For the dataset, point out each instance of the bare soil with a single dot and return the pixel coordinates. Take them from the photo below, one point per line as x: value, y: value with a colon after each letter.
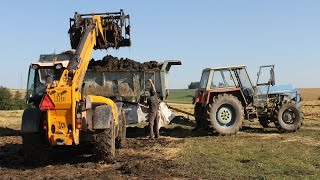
x: 140, y: 159
x: 110, y: 63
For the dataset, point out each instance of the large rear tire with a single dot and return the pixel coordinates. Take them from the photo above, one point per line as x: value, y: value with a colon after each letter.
x: 288, y: 117
x: 226, y: 115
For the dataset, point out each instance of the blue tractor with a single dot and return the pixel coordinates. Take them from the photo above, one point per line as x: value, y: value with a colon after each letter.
x: 226, y: 97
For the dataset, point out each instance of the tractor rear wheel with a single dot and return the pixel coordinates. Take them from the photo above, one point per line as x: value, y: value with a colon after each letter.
x: 226, y: 115
x: 288, y: 117
x: 105, y: 144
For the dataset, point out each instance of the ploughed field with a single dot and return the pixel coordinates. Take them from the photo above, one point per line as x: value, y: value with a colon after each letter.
x: 180, y: 153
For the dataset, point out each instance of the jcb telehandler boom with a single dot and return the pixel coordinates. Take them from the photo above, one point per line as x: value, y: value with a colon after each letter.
x: 61, y: 112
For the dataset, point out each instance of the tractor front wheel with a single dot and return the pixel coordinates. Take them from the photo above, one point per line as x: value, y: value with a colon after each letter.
x: 225, y: 114
x: 288, y: 117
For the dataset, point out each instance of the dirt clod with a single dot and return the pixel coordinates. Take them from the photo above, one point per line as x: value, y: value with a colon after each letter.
x: 110, y: 63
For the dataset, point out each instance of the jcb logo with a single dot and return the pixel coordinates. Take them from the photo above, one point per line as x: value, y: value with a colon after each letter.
x: 60, y: 97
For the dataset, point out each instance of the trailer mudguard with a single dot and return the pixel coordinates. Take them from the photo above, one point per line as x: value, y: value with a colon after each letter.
x: 102, y: 117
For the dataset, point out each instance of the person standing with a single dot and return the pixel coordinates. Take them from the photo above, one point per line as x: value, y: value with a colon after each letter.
x: 153, y: 117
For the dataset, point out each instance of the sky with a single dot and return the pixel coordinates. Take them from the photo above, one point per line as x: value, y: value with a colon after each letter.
x: 203, y: 33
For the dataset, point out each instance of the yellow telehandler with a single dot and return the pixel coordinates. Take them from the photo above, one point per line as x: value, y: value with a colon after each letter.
x: 61, y: 115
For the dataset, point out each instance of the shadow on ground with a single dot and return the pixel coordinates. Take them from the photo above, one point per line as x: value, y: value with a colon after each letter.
x: 259, y: 130
x: 179, y: 127
x: 9, y: 132
x: 11, y: 156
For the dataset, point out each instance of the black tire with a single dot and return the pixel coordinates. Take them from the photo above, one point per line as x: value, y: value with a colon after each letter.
x: 31, y: 120
x: 288, y: 117
x: 35, y: 150
x: 199, y: 113
x: 121, y: 139
x: 226, y: 115
x: 105, y: 144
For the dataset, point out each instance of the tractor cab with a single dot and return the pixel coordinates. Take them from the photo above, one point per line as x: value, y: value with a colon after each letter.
x: 233, y: 80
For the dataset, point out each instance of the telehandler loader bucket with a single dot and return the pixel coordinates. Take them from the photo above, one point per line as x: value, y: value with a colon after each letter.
x: 115, y: 25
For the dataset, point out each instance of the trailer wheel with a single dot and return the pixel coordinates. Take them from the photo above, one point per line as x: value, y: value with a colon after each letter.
x: 288, y: 117
x: 226, y: 115
x: 34, y: 148
x: 121, y: 139
x: 105, y: 144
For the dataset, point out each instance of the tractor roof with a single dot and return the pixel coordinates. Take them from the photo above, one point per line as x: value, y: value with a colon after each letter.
x: 227, y: 67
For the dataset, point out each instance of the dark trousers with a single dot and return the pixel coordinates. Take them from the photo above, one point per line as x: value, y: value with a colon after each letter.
x: 153, y: 119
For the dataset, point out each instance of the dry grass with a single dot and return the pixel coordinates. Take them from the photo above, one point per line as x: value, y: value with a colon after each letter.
x: 11, y: 119
x: 310, y: 94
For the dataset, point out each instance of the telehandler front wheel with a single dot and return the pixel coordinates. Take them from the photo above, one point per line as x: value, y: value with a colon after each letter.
x: 226, y: 115
x: 105, y: 144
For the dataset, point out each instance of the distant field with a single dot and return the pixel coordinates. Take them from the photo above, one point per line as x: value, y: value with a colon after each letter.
x: 181, y: 95
x: 310, y: 94
x: 22, y: 91
x: 185, y: 95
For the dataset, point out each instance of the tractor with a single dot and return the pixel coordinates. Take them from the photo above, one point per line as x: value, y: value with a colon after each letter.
x: 226, y: 97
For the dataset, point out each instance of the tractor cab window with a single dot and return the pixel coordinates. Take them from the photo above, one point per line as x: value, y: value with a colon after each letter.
x: 204, y: 79
x: 222, y: 79
x: 244, y: 81
x: 244, y: 78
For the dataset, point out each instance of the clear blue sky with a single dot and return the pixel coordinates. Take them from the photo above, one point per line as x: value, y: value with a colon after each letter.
x: 201, y: 34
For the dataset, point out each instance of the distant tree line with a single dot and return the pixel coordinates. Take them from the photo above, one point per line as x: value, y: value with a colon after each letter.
x: 9, y: 101
x: 194, y: 85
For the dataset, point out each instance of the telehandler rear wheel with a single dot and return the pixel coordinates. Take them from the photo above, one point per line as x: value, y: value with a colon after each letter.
x: 105, y: 144
x: 121, y: 139
x: 226, y: 115
x: 288, y: 117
